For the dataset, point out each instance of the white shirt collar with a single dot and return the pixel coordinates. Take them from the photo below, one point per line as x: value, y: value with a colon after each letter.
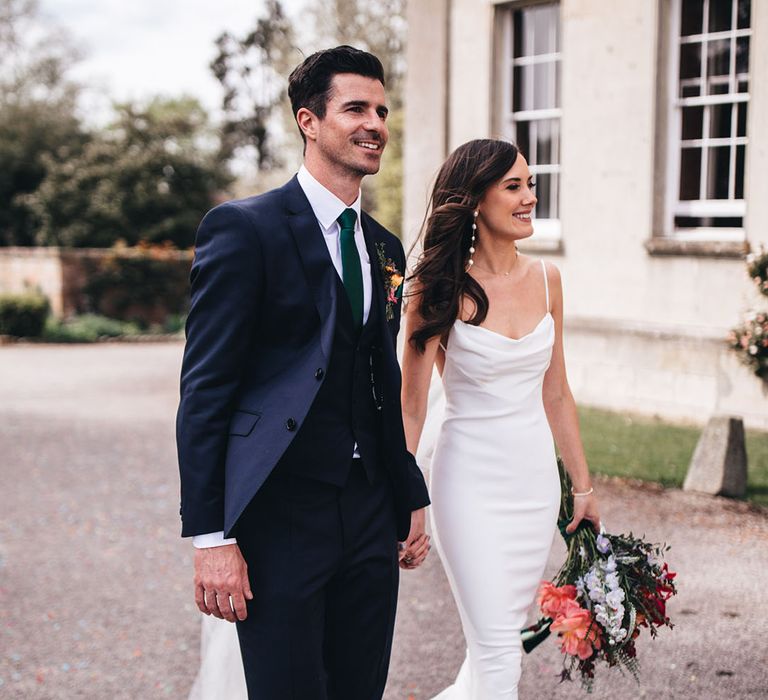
x: 326, y: 205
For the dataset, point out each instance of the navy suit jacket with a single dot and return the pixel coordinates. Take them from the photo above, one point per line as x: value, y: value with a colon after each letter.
x: 260, y: 326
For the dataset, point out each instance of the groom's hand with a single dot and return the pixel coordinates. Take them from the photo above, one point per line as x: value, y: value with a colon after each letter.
x: 221, y: 576
x: 414, y: 550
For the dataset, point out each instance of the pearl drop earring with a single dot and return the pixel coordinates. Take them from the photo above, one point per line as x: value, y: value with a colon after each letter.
x: 471, y: 261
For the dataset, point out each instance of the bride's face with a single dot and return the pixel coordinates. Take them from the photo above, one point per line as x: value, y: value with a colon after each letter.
x: 506, y: 207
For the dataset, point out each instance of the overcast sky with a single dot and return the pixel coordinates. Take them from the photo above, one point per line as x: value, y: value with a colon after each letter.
x: 138, y: 48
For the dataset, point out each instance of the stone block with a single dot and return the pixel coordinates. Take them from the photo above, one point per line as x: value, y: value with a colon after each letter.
x: 719, y: 463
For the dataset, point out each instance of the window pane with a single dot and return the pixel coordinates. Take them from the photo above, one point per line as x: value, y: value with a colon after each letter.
x: 546, y: 142
x: 742, y: 20
x: 720, y: 12
x: 544, y: 28
x: 535, y: 31
x: 690, y: 61
x: 544, y: 85
x: 521, y: 100
x: 692, y: 13
x: 719, y: 85
x: 518, y: 34
x: 720, y: 121
x: 690, y: 173
x: 691, y: 90
x: 534, y: 87
x: 693, y: 118
x: 708, y: 221
x: 718, y: 169
x: 739, y: 191
x: 544, y: 207
x: 743, y: 86
x: 719, y: 57
x: 741, y: 123
x: 742, y: 55
x: 522, y: 138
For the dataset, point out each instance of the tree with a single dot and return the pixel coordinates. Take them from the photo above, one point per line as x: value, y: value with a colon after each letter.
x: 150, y: 177
x: 38, y: 122
x: 377, y: 26
x: 253, y: 71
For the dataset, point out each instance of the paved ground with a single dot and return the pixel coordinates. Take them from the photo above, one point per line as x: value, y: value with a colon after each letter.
x: 95, y: 600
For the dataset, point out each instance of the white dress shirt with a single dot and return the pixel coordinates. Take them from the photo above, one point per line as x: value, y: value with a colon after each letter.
x: 327, y: 207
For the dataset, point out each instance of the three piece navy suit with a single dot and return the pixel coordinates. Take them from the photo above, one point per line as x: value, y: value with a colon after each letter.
x: 279, y: 387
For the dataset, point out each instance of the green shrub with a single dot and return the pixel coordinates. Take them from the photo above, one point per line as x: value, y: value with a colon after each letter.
x: 146, y: 284
x: 87, y: 328
x: 174, y: 323
x: 23, y: 315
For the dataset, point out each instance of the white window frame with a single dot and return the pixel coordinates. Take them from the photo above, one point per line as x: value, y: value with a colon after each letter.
x: 547, y: 232
x: 703, y: 207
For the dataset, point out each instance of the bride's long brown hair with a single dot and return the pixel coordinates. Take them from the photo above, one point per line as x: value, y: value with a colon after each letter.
x: 439, y: 277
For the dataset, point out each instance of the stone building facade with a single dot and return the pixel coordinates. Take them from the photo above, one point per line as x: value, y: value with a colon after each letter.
x: 642, y: 123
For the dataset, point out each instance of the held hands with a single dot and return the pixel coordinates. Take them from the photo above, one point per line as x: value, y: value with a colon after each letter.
x: 414, y: 550
x: 221, y: 582
x: 584, y: 508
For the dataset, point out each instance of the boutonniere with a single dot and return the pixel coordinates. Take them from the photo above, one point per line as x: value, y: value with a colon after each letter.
x: 393, y: 280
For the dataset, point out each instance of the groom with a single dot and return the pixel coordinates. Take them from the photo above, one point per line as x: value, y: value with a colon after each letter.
x: 295, y: 481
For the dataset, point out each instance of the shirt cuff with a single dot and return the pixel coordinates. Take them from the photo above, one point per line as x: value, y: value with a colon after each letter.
x: 212, y: 539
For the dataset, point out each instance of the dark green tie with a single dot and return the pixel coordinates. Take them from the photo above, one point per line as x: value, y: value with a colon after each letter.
x: 350, y: 264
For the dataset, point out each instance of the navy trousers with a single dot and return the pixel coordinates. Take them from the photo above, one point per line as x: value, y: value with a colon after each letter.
x: 322, y: 563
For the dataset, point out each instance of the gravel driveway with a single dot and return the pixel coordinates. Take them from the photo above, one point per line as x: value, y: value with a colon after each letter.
x: 95, y: 594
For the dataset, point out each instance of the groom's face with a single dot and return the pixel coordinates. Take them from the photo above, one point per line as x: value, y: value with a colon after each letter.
x: 353, y: 133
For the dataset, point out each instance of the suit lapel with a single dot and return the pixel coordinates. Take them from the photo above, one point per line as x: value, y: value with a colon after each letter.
x: 315, y: 260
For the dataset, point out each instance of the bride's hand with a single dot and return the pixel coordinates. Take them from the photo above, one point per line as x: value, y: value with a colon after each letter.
x: 584, y: 508
x: 414, y: 550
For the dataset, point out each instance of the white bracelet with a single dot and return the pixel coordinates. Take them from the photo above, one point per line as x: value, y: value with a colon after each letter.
x: 584, y: 493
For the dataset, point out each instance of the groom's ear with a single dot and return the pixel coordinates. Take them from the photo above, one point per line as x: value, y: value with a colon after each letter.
x: 308, y: 123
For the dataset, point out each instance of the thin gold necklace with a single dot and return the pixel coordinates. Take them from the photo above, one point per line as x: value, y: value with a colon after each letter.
x: 499, y: 274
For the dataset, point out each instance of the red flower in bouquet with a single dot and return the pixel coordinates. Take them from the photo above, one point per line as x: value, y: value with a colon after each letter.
x: 578, y: 631
x: 665, y: 586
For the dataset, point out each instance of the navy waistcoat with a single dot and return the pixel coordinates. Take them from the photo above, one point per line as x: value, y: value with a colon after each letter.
x: 344, y: 411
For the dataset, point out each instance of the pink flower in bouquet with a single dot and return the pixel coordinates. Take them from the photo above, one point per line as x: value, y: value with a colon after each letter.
x: 577, y: 630
x: 552, y: 599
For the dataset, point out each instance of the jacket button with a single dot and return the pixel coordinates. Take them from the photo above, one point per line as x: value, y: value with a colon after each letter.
x: 290, y: 424
x: 319, y: 373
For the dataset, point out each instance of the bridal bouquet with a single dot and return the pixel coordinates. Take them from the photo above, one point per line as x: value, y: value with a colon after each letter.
x: 609, y: 588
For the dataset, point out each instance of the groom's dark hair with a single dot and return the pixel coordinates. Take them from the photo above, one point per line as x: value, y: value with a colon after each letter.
x: 309, y: 85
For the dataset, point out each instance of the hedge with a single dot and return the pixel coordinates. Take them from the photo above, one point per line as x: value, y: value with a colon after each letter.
x: 23, y: 315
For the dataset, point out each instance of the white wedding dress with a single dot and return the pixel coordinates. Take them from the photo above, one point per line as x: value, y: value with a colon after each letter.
x: 495, y: 496
x: 220, y: 675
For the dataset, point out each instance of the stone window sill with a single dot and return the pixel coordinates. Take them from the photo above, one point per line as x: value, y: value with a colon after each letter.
x: 541, y: 245
x: 663, y: 246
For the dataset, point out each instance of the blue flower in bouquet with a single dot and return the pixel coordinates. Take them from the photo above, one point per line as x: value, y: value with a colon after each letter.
x: 603, y: 544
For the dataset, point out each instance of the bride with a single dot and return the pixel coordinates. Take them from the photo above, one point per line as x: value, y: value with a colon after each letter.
x: 491, y: 319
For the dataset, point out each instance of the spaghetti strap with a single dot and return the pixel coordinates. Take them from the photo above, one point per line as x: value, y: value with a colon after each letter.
x: 546, y: 283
